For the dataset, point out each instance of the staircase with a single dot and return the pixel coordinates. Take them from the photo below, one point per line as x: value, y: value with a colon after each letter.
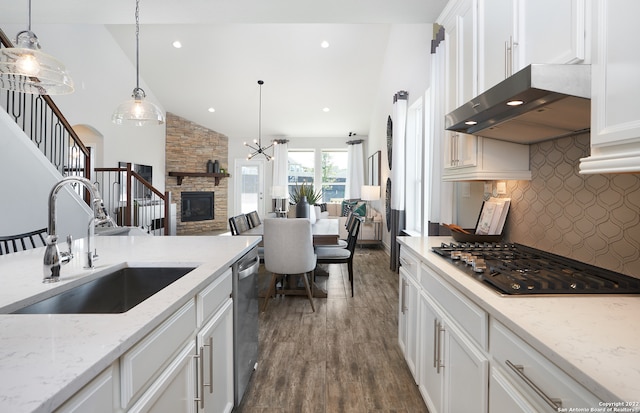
x: 129, y: 198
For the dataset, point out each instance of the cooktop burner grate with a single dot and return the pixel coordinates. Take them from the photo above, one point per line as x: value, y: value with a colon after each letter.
x: 515, y: 269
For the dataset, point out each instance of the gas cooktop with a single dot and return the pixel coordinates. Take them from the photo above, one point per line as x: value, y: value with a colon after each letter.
x: 515, y: 269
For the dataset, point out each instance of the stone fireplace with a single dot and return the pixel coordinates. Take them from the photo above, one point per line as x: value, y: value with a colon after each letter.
x: 188, y: 148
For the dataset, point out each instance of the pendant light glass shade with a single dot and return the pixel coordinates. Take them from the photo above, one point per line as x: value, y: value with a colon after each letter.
x: 24, y: 68
x: 137, y: 111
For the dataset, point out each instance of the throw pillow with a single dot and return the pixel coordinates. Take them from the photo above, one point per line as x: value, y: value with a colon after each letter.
x: 347, y: 206
x: 361, y: 210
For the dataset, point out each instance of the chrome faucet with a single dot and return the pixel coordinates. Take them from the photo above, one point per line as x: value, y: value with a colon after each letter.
x: 53, y: 258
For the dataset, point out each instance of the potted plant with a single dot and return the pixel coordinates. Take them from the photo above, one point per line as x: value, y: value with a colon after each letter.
x: 303, y: 195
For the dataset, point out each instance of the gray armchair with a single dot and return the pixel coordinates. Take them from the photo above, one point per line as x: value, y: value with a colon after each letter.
x: 288, y: 250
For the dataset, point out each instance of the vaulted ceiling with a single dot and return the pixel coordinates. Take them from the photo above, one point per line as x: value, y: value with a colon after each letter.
x: 228, y: 45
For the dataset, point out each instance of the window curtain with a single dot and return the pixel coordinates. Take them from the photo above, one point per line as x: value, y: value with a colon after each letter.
x: 397, y: 174
x: 355, y: 170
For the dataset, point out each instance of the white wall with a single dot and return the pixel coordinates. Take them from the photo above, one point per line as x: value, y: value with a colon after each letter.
x: 28, y: 178
x: 407, y: 67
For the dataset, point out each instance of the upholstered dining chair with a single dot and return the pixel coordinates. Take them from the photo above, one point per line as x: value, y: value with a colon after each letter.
x: 21, y: 242
x: 288, y: 250
x: 332, y: 255
x: 253, y: 219
x: 238, y: 224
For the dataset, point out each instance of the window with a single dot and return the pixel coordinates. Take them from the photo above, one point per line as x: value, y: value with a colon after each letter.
x: 334, y: 174
x: 301, y: 166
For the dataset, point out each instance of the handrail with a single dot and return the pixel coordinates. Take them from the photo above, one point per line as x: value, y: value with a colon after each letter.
x: 17, y: 109
x: 118, y: 186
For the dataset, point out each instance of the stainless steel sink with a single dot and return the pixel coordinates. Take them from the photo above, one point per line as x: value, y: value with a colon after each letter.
x: 114, y: 293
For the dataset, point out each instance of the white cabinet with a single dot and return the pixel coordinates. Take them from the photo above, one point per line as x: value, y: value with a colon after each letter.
x: 99, y: 396
x: 451, y: 361
x: 504, y: 397
x: 215, y: 358
x: 174, y: 390
x: 527, y: 378
x: 516, y: 33
x: 615, y: 121
x: 408, y: 310
x: 486, y: 159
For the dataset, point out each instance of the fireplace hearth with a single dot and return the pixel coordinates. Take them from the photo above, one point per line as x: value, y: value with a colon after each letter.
x: 197, y: 206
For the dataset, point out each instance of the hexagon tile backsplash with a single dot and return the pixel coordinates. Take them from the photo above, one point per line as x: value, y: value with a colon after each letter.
x: 590, y: 218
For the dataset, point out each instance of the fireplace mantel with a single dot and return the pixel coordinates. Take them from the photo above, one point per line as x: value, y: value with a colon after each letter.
x: 215, y: 176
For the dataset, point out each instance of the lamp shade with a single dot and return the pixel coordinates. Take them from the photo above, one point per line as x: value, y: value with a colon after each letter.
x: 370, y: 193
x: 26, y: 69
x: 279, y: 192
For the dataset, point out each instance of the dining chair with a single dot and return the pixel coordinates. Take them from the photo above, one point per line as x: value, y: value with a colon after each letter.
x: 332, y: 255
x: 21, y: 242
x: 288, y: 250
x: 253, y: 219
x: 238, y: 224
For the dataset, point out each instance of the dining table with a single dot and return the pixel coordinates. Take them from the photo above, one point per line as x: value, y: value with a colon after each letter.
x: 326, y: 232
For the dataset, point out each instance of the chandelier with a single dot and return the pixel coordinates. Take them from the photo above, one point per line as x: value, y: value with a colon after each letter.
x: 257, y: 147
x: 138, y: 111
x: 24, y: 68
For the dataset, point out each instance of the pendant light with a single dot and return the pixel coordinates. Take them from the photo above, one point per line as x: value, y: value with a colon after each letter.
x: 138, y: 111
x: 257, y: 147
x: 24, y: 68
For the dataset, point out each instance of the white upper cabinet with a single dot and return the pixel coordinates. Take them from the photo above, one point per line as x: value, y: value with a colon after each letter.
x: 615, y: 119
x: 513, y: 34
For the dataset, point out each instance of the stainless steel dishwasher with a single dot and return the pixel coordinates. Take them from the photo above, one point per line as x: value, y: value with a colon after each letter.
x: 245, y: 321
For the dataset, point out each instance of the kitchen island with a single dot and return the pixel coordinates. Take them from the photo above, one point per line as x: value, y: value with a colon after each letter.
x: 46, y: 358
x: 591, y: 340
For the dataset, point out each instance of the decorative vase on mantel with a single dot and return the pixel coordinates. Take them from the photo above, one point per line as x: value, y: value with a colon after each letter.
x: 302, y: 208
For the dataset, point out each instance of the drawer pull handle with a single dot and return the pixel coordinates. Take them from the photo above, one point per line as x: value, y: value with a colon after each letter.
x: 519, y: 370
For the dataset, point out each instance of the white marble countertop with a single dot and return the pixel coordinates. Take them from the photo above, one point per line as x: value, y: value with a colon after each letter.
x: 45, y: 359
x: 594, y: 339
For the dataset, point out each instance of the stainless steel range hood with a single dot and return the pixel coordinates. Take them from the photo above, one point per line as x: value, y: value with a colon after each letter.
x: 556, y: 103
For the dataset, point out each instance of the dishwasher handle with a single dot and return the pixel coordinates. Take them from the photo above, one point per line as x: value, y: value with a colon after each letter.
x: 245, y: 269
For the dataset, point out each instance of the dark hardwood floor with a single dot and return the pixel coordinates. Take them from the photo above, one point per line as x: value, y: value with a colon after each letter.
x: 342, y: 358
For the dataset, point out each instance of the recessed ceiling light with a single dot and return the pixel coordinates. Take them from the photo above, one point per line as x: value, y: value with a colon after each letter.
x: 177, y: 44
x: 326, y: 109
x: 324, y: 44
x: 515, y: 102
x: 211, y: 110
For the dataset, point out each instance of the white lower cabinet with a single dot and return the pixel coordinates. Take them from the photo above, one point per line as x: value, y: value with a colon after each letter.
x: 99, y: 396
x: 174, y: 390
x: 453, y: 370
x: 408, y: 311
x: 215, y: 357
x: 529, y: 378
x: 504, y: 397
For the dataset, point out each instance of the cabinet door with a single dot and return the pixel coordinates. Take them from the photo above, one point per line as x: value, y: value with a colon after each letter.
x: 174, y: 390
x: 97, y: 397
x: 615, y: 121
x: 551, y: 37
x: 430, y: 380
x: 460, y: 150
x: 408, y: 319
x: 496, y: 41
x: 215, y: 342
x: 465, y: 371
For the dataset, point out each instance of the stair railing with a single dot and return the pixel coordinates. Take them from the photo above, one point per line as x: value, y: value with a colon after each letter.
x: 42, y: 121
x: 132, y: 201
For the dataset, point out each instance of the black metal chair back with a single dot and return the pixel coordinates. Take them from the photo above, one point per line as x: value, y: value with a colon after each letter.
x: 253, y: 219
x: 22, y: 242
x: 238, y: 224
